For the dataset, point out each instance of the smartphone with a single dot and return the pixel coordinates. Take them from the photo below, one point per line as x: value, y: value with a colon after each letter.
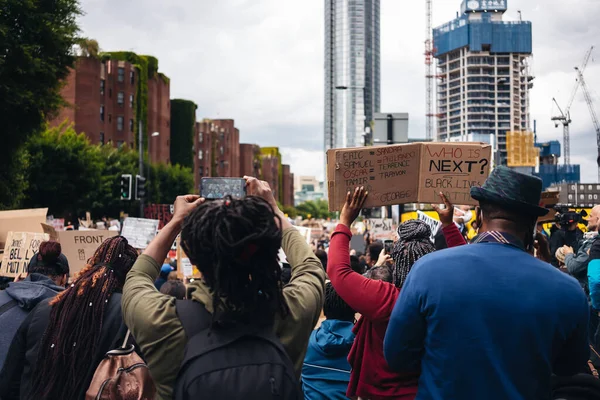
x: 218, y: 188
x: 389, y: 245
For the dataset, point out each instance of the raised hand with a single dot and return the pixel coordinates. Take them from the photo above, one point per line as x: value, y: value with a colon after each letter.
x: 354, y: 203
x: 447, y: 213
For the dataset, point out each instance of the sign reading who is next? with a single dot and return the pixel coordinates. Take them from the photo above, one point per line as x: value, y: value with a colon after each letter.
x: 411, y: 173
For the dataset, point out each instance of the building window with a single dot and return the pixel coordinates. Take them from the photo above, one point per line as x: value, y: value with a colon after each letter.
x: 130, y: 125
x: 121, y: 74
x: 101, y: 113
x: 131, y: 77
x: 168, y: 123
x: 110, y: 93
x: 120, y: 123
x: 109, y: 117
x: 120, y: 143
x: 590, y: 187
x: 201, y: 170
x: 101, y: 137
x: 222, y: 150
x: 120, y: 98
x: 130, y: 101
x: 570, y: 197
x: 102, y: 86
x: 199, y: 154
x: 200, y: 137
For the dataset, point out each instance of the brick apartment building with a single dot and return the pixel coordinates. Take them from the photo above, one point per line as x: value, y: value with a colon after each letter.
x: 101, y: 97
x: 249, y: 160
x: 288, y: 186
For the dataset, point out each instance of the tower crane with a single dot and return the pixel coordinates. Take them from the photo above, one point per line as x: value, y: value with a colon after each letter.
x: 565, y: 117
x: 429, y: 76
x: 590, y: 104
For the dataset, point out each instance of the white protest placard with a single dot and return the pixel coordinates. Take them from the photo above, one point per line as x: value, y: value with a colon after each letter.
x: 139, y: 232
x: 185, y: 268
x: 80, y: 246
x: 381, y: 228
x: 19, y: 249
x: 305, y: 232
x: 433, y: 223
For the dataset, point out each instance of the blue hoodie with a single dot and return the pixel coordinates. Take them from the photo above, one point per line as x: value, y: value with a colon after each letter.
x: 326, y: 371
x: 27, y: 293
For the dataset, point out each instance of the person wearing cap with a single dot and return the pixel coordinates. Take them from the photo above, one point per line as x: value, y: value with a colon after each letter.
x: 488, y: 320
x: 165, y: 270
x: 48, y: 273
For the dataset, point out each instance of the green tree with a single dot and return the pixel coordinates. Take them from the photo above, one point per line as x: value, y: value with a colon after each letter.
x: 36, y: 41
x: 169, y: 181
x: 65, y: 172
x: 314, y: 209
x: 183, y: 127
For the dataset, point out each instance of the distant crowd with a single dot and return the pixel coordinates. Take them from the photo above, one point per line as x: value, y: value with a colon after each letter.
x: 492, y: 308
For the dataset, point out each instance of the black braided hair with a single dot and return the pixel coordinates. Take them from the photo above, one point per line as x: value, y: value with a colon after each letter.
x: 235, y: 245
x: 335, y: 307
x: 413, y: 243
x: 73, y: 332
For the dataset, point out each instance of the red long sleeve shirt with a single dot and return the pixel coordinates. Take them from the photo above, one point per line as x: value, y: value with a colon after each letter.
x: 371, y: 377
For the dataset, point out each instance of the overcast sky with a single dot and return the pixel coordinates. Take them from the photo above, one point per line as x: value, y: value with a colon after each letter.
x: 261, y: 63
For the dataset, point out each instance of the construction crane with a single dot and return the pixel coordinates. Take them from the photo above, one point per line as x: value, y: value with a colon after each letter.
x: 429, y: 76
x: 590, y: 104
x: 565, y: 117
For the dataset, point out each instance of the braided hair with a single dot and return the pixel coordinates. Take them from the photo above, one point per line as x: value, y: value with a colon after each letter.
x: 71, y: 338
x: 413, y: 243
x: 235, y: 245
x: 335, y: 307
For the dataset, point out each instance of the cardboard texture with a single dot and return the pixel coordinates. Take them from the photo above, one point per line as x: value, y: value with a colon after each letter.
x: 410, y: 173
x: 26, y: 220
x: 139, y: 232
x: 79, y: 246
x: 20, y: 247
x: 50, y: 231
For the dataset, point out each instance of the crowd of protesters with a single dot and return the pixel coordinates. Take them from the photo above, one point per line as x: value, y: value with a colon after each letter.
x: 464, y: 316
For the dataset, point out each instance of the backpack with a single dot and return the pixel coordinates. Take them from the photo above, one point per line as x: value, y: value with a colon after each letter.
x: 584, y: 386
x: 122, y: 374
x: 243, y: 362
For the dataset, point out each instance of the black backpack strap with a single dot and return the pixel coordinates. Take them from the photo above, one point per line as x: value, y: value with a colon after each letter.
x: 193, y: 316
x: 7, y: 306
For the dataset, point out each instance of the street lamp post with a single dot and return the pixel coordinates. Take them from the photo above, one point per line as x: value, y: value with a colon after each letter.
x: 154, y: 134
x: 366, y: 124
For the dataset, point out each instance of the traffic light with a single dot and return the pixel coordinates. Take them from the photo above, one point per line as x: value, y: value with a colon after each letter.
x: 140, y: 187
x: 126, y: 186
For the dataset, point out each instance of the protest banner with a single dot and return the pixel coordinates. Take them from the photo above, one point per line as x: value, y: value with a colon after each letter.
x: 433, y: 223
x: 185, y: 268
x: 381, y: 228
x: 20, y: 248
x: 411, y: 173
x: 79, y: 246
x: 57, y: 223
x: 139, y: 232
x: 27, y: 220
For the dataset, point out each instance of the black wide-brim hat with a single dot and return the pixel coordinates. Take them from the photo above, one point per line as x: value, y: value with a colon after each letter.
x: 514, y: 191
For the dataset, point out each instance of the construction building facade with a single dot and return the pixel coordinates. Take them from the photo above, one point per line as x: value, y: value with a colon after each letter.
x: 483, y: 76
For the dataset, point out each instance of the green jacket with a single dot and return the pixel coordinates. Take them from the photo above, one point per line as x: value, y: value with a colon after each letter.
x: 153, y: 321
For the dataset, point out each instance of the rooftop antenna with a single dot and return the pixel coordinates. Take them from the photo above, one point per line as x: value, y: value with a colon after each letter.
x: 520, y: 16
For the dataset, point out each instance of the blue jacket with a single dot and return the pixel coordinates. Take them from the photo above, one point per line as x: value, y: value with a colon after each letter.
x: 27, y: 293
x: 487, y: 321
x: 326, y: 371
x: 593, y: 272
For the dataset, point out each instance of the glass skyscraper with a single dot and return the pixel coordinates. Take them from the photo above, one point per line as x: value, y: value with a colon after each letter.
x: 352, y: 70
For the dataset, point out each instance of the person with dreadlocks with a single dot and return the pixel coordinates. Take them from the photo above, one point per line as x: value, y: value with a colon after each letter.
x: 326, y: 371
x: 235, y: 246
x: 488, y: 320
x: 61, y: 342
x: 371, y: 378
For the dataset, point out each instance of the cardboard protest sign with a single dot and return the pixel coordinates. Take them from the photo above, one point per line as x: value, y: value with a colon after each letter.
x: 79, y: 246
x: 185, y: 268
x: 20, y: 247
x: 139, y: 232
x: 411, y: 173
x: 433, y: 223
x: 27, y: 220
x: 50, y: 231
x: 381, y: 228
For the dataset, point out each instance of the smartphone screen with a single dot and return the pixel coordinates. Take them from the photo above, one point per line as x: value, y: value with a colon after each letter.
x: 218, y: 188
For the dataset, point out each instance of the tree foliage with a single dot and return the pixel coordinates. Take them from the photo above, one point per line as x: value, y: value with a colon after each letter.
x: 36, y: 39
x: 314, y: 209
x: 183, y: 124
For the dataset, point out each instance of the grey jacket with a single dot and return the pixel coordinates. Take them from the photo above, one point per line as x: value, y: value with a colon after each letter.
x: 577, y: 263
x: 27, y: 294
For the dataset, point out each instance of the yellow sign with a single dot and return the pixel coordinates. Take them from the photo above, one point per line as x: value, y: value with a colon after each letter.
x: 521, y: 149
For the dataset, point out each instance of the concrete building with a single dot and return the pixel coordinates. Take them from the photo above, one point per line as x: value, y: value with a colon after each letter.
x: 580, y: 195
x: 352, y: 70
x: 308, y: 188
x: 484, y: 77
x: 101, y: 97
